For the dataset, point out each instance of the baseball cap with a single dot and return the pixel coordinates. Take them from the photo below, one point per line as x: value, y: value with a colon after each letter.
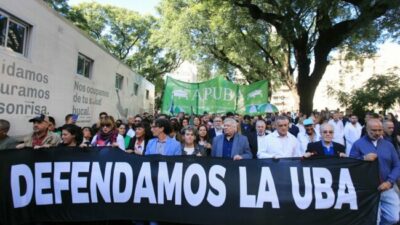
x: 40, y: 118
x: 308, y: 122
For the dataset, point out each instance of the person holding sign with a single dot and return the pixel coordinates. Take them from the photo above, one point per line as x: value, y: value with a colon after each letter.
x: 162, y: 144
x: 231, y: 144
x: 280, y: 143
x: 373, y: 147
x: 189, y: 143
x: 325, y: 147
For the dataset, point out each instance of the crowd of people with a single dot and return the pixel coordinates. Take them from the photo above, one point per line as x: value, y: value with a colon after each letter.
x: 321, y: 134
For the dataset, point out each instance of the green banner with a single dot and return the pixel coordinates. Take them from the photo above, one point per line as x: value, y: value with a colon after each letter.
x: 214, y: 96
x: 253, y: 98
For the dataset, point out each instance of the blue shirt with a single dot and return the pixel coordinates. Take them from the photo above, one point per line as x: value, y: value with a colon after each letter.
x: 328, y: 150
x: 227, y: 148
x: 389, y: 164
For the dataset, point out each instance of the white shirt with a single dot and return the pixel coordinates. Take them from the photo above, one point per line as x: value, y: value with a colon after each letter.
x: 261, y: 141
x: 338, y: 131
x: 279, y: 146
x: 351, y: 133
x: 218, y: 132
x: 131, y: 132
x: 304, y: 139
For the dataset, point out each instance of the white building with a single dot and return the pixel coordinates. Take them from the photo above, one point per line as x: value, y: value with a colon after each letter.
x: 49, y: 66
x: 349, y: 75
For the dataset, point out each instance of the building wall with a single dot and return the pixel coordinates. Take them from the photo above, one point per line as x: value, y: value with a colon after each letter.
x: 53, y: 48
x: 353, y: 75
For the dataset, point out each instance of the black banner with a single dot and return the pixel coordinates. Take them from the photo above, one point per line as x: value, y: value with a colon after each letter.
x: 63, y: 184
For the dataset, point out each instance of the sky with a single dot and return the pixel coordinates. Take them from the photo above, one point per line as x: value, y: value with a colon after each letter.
x: 141, y: 6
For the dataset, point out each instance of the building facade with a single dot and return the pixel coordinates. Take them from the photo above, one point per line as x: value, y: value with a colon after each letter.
x: 49, y: 66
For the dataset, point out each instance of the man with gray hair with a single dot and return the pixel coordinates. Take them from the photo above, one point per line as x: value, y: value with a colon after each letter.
x: 6, y: 142
x: 258, y: 137
x: 231, y: 144
x: 280, y: 143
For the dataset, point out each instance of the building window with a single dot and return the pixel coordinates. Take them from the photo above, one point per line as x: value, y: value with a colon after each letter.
x: 13, y: 33
x: 135, y: 89
x: 119, y: 81
x: 147, y: 94
x: 85, y: 65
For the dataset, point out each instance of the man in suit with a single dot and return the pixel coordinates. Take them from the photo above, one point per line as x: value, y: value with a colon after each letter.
x: 246, y: 125
x: 257, y: 138
x: 217, y: 128
x: 325, y: 147
x: 162, y: 144
x: 231, y: 144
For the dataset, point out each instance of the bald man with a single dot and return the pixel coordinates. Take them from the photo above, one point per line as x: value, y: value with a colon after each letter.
x: 373, y: 147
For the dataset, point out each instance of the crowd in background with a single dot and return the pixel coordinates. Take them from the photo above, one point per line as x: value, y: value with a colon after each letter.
x: 321, y: 134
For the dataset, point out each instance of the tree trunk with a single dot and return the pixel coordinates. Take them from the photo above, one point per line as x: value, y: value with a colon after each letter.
x: 306, y: 95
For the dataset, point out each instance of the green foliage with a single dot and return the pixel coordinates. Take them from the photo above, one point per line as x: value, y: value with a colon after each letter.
x: 378, y: 92
x: 220, y: 38
x: 268, y: 39
x: 125, y: 34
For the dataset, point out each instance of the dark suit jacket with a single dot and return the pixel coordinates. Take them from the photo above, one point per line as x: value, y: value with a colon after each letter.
x: 252, y: 137
x: 318, y: 149
x: 212, y: 134
x: 240, y: 146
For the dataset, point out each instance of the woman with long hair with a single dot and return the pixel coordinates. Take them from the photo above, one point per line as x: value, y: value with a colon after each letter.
x: 122, y: 130
x: 138, y: 143
x: 204, y: 139
x: 108, y: 135
x: 87, y: 136
x: 189, y: 143
x: 71, y: 135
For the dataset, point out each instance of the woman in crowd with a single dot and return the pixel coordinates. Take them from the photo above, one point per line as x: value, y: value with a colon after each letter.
x: 203, y: 139
x: 108, y: 135
x: 138, y: 143
x: 185, y: 122
x: 189, y: 145
x: 71, y: 135
x: 122, y: 130
x: 87, y: 136
x: 196, y: 121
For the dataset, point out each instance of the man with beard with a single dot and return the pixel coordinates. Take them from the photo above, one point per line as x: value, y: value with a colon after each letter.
x: 217, y: 130
x: 309, y: 136
x: 352, y: 132
x: 41, y: 137
x: 373, y: 147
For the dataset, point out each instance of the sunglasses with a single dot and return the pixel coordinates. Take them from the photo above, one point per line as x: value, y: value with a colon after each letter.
x: 327, y: 132
x: 106, y: 125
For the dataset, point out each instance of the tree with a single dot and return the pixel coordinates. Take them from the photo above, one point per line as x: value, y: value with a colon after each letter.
x: 284, y: 41
x: 378, y: 92
x: 125, y: 34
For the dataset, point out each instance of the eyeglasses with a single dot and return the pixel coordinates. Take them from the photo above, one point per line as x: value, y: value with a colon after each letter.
x: 327, y: 132
x: 138, y: 121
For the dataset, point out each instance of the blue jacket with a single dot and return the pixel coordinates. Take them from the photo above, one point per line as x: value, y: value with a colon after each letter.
x: 389, y: 164
x: 240, y: 146
x: 172, y: 147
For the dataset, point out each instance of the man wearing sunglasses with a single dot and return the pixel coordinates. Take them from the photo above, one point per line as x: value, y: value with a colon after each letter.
x: 309, y: 136
x: 325, y: 147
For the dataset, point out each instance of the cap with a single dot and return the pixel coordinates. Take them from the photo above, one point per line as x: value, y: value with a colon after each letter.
x: 40, y: 118
x: 308, y: 122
